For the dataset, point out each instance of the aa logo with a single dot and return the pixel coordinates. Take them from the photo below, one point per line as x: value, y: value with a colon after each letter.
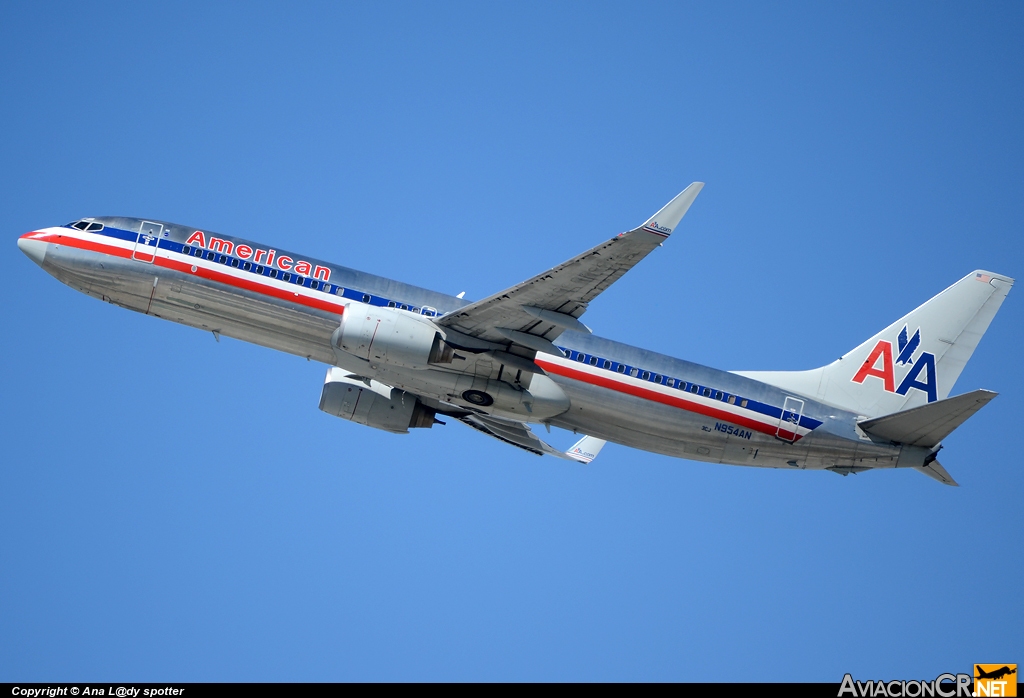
x: 995, y: 679
x: 920, y: 372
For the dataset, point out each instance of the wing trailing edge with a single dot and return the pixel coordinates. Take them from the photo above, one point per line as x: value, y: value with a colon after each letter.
x: 520, y: 435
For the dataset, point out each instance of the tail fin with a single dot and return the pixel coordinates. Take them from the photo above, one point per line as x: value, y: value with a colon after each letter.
x: 912, y: 362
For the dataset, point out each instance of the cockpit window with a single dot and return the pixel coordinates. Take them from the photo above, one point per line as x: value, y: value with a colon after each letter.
x: 86, y: 226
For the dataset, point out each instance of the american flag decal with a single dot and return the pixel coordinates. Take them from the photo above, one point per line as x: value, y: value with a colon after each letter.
x: 984, y: 278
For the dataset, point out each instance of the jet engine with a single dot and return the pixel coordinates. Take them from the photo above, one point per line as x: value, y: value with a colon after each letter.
x: 373, y: 404
x: 396, y: 337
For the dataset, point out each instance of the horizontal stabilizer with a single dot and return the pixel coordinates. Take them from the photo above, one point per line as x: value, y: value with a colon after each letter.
x: 929, y: 424
x: 935, y: 471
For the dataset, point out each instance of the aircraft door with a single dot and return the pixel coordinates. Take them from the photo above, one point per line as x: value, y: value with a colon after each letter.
x: 792, y: 410
x: 147, y: 241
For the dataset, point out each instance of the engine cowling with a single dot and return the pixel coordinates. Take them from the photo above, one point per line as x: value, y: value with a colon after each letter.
x: 374, y: 405
x: 385, y: 335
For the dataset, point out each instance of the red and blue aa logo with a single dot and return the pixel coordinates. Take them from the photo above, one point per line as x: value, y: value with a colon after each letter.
x: 920, y: 373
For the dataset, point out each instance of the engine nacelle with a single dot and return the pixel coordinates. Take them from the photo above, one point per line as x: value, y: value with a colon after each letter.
x: 374, y: 405
x: 396, y: 337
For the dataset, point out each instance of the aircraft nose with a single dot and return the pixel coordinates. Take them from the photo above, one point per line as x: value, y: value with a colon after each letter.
x: 35, y: 249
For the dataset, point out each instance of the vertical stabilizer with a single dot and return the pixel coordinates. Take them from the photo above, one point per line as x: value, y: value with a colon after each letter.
x: 912, y: 362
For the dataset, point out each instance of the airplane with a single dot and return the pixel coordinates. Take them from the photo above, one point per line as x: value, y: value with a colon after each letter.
x: 400, y: 356
x: 995, y: 674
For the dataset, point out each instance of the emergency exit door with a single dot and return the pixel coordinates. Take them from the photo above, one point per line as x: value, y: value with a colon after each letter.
x: 147, y: 242
x: 789, y: 420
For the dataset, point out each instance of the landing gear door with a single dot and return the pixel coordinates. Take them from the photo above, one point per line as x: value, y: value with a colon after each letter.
x: 147, y: 241
x: 792, y: 410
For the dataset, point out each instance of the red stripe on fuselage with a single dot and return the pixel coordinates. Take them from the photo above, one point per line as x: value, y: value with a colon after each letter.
x: 201, y: 272
x: 338, y: 309
x: 655, y: 396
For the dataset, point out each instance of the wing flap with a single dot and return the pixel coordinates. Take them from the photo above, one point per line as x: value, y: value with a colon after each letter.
x: 520, y: 435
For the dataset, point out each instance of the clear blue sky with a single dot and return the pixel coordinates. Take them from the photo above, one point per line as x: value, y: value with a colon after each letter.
x: 172, y: 508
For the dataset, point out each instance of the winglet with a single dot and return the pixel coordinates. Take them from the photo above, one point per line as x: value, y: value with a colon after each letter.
x: 665, y: 221
x: 586, y: 449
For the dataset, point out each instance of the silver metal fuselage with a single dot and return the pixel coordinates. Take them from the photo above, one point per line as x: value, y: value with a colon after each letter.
x: 670, y: 406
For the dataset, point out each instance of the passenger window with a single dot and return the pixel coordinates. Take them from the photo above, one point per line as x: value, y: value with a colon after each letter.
x: 706, y: 392
x: 656, y: 378
x: 366, y: 298
x: 634, y: 372
x: 593, y: 361
x: 391, y: 304
x: 429, y: 311
x: 694, y: 388
x: 581, y: 357
x: 732, y: 400
x: 286, y: 276
x: 606, y: 364
x: 718, y: 395
x: 210, y: 256
x: 259, y: 269
x: 339, y: 291
x: 186, y: 250
x: 273, y: 273
x: 671, y: 382
x: 246, y: 266
x: 621, y: 368
x: 198, y: 252
x: 743, y: 403
x: 234, y: 263
x: 647, y: 375
x: 566, y: 353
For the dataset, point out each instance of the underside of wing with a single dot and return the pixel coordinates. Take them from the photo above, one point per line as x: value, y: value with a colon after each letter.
x: 538, y: 310
x: 520, y: 435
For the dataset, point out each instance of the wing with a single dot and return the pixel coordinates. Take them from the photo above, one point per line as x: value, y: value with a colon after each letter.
x: 519, y: 434
x: 533, y: 313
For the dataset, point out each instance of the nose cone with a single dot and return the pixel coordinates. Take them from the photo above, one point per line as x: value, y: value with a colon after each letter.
x: 35, y: 249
